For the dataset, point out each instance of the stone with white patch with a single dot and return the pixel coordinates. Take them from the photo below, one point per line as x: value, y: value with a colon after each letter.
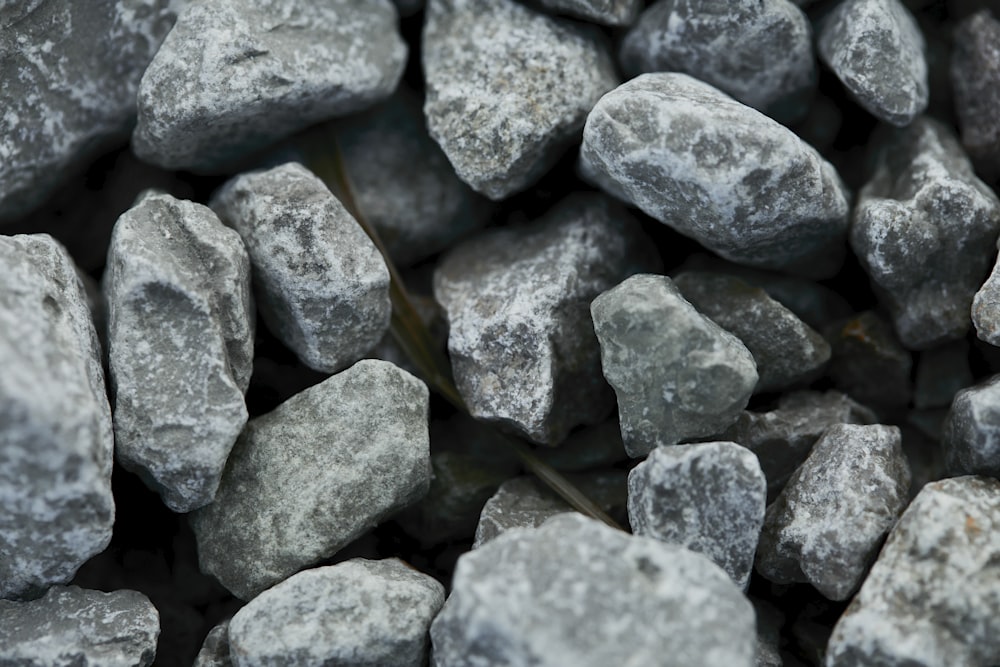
x: 971, y: 437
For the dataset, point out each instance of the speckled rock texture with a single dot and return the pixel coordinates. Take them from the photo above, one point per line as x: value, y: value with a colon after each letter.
x: 868, y: 362
x: 877, y: 51
x: 517, y: 300
x: 309, y: 477
x: 56, y: 441
x: 760, y: 52
x: 971, y: 437
x: 78, y: 627
x: 322, y: 286
x: 564, y: 594
x: 235, y: 75
x: 677, y: 374
x: 606, y: 12
x: 717, y: 171
x: 975, y: 83
x: 933, y: 597
x: 215, y: 650
x: 508, y: 88
x: 363, y: 613
x: 69, y: 73
x: 986, y: 308
x: 827, y: 524
x: 786, y: 349
x: 925, y: 230
x: 708, y: 497
x: 180, y: 345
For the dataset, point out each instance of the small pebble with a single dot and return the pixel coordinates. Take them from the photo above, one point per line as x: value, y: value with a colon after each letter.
x: 971, y: 436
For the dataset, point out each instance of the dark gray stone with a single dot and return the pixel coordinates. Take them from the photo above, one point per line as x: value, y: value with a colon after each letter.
x: 606, y: 12
x: 941, y: 373
x: 868, y: 362
x: 215, y: 650
x: 971, y: 437
x: 589, y: 448
x: 769, y: 623
x: 975, y: 84
x: 986, y: 308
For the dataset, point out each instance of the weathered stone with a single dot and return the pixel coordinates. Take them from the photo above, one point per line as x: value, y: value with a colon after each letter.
x: 215, y: 650
x: 517, y: 301
x: 607, y: 12
x: 971, y: 437
x: 722, y: 173
x: 180, y: 329
x: 941, y: 373
x: 75, y: 626
x: 364, y: 613
x: 233, y: 76
x: 827, y: 524
x: 56, y: 439
x: 975, y: 83
x: 508, y: 88
x: 570, y: 592
x: 933, y: 597
x: 868, y: 362
x: 677, y: 374
x: 322, y: 286
x: 309, y: 477
x: 708, y: 497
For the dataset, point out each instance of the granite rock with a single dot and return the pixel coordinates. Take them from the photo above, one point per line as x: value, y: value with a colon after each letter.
x: 975, y: 83
x: 215, y: 649
x: 607, y: 12
x: 971, y: 437
x: 868, y: 362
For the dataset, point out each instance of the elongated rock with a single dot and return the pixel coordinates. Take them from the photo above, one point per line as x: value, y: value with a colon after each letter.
x: 971, y: 437
x: 606, y: 12
x: 975, y: 82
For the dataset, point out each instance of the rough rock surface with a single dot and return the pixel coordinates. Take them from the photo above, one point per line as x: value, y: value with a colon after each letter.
x: 971, y: 438
x: 75, y: 626
x: 827, y: 524
x: 868, y: 362
x: 606, y: 12
x: 876, y: 50
x: 215, y: 650
x: 508, y: 88
x: 720, y: 172
x: 180, y: 345
x: 925, y: 228
x: 309, y: 477
x: 932, y: 597
x: 677, y: 374
x: 517, y: 299
x: 233, y: 75
x: 986, y: 308
x: 322, y: 286
x: 975, y: 83
x: 363, y: 613
x: 708, y: 497
x: 56, y: 441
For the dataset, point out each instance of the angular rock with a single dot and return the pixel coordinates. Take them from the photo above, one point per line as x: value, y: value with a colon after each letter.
x: 708, y: 497
x: 309, y: 477
x: 868, y: 362
x: 508, y: 88
x: 785, y: 348
x: 215, y: 650
x: 877, y: 51
x: 180, y: 348
x: 263, y: 70
x: 517, y: 301
x: 932, y: 597
x: 606, y: 12
x: 322, y: 286
x: 56, y: 440
x: 941, y: 373
x: 717, y: 171
x: 677, y: 374
x: 827, y: 524
x: 367, y: 613
x: 75, y: 626
x: 986, y: 308
x: 924, y: 229
x: 971, y: 437
x: 563, y: 594
x: 975, y: 84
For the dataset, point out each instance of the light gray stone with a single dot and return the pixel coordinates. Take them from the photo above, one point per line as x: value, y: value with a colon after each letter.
x: 508, y: 88
x: 322, y: 286
x: 971, y: 437
x: 317, y: 472
x: 517, y: 298
x: 576, y: 592
x: 717, y: 171
x: 235, y: 75
x: 607, y: 12
x: 363, y: 613
x: 827, y: 524
x: 975, y: 84
x: 677, y: 374
x: 56, y: 439
x: 215, y: 650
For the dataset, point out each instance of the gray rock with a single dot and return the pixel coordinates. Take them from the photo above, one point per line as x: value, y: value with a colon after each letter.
x: 758, y: 51
x: 309, y: 477
x: 56, y: 440
x: 975, y: 84
x: 769, y: 622
x: 787, y: 350
x: 677, y: 374
x: 986, y: 308
x: 69, y: 74
x: 264, y: 69
x: 323, y: 287
x: 708, y: 497
x: 606, y: 12
x: 79, y: 627
x: 827, y: 524
x: 941, y: 373
x: 517, y: 301
x: 933, y: 597
x: 868, y: 362
x: 508, y: 88
x: 924, y: 229
x: 364, y: 613
x: 971, y: 437
x: 876, y: 50
x: 408, y: 7
x: 717, y: 171
x: 215, y: 650
x: 576, y: 592
x: 181, y: 330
